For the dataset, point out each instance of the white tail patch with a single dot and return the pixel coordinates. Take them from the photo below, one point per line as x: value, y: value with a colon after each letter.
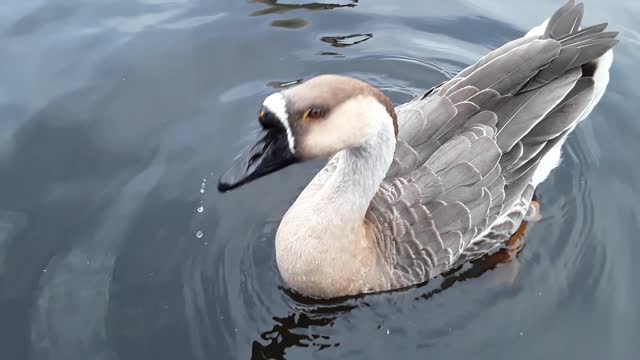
x: 550, y: 161
x: 538, y: 30
x: 601, y: 80
x: 277, y: 104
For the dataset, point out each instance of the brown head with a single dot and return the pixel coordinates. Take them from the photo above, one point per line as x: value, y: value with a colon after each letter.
x: 317, y: 118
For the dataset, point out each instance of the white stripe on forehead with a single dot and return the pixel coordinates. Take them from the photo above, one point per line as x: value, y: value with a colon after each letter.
x: 277, y: 104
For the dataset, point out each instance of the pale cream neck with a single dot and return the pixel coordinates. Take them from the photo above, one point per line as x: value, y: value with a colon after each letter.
x: 322, y: 244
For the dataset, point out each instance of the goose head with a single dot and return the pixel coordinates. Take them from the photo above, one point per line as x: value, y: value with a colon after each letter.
x: 316, y: 119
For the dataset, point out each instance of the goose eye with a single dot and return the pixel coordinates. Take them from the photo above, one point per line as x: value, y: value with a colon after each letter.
x: 314, y: 114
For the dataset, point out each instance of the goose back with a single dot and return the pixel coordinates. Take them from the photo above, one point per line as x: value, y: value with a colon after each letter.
x: 467, y: 151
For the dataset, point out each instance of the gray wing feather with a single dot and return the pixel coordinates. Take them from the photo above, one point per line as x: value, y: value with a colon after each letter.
x: 508, y: 72
x: 461, y: 174
x: 451, y: 191
x: 522, y: 112
x: 554, y: 69
x: 452, y: 217
x: 463, y: 94
x: 485, y: 96
x: 566, y: 114
x: 464, y: 111
x: 405, y: 159
x: 489, y: 57
x: 511, y: 158
x: 448, y: 153
x: 483, y: 155
x: 439, y: 111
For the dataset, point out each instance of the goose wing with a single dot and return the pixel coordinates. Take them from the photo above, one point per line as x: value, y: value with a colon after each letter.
x: 468, y: 148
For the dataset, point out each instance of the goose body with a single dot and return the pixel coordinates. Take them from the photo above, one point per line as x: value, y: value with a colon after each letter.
x: 413, y: 191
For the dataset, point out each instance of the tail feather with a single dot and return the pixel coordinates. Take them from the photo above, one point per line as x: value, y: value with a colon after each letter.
x: 587, y: 51
x: 578, y: 47
x: 564, y: 21
x: 585, y: 31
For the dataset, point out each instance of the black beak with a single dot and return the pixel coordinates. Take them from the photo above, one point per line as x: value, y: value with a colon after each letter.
x: 270, y: 153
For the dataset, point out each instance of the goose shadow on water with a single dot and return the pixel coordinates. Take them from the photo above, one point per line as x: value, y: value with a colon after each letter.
x: 295, y: 330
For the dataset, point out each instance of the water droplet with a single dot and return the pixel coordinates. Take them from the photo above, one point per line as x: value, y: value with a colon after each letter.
x: 201, y: 191
x: 521, y: 333
x: 45, y: 270
x: 388, y: 331
x: 199, y: 234
x: 200, y: 209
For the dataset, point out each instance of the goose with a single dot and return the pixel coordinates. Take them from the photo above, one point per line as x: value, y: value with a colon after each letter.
x: 412, y: 191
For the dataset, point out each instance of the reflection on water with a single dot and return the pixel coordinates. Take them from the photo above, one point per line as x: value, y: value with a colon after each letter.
x: 331, y: 53
x: 276, y: 7
x: 283, y: 84
x: 295, y: 23
x: 345, y: 41
x: 115, y: 118
x: 298, y: 330
x: 302, y: 327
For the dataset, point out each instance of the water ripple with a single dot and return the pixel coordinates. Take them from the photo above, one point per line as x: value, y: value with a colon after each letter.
x: 111, y: 246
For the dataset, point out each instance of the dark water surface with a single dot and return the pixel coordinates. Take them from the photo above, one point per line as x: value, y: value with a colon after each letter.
x: 117, y: 117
